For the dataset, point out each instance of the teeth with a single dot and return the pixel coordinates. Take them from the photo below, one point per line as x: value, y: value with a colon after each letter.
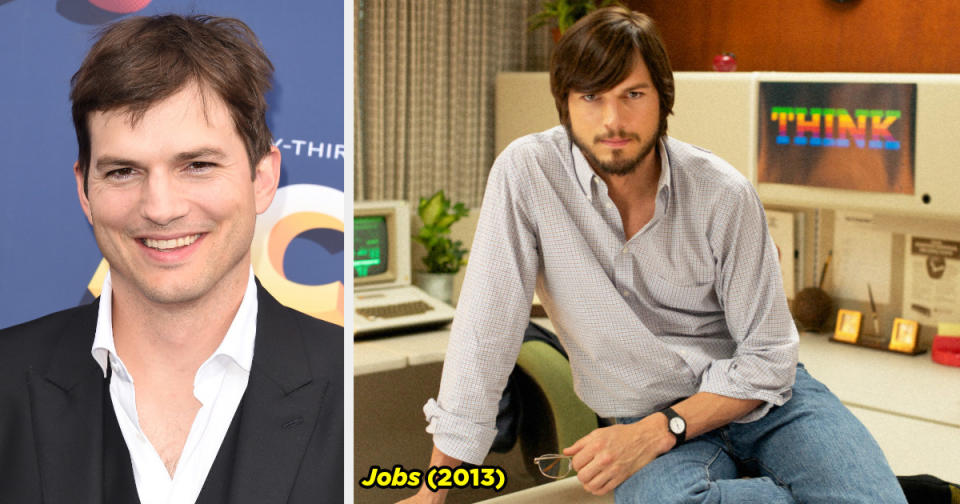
x: 170, y: 244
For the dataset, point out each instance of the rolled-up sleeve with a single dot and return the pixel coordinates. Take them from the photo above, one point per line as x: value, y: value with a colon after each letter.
x: 750, y: 289
x: 492, y: 312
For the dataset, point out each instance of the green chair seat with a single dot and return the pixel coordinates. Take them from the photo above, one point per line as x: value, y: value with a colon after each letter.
x: 553, y: 416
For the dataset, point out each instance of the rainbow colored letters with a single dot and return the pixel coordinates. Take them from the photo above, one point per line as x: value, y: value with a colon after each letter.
x: 835, y: 127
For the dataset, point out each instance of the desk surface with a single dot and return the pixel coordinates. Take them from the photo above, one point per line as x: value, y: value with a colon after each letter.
x: 398, y: 352
x: 905, y: 385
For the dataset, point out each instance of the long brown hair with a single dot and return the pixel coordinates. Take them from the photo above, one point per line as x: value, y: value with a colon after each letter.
x: 599, y: 52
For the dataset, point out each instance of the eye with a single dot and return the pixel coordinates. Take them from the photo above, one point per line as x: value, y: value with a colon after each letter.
x: 589, y: 97
x: 120, y: 174
x: 200, y: 166
x: 634, y: 94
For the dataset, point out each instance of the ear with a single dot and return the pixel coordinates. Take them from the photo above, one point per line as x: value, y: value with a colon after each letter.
x: 266, y: 179
x: 84, y: 202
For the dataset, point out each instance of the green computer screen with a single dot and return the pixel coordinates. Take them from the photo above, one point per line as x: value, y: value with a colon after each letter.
x: 370, y: 246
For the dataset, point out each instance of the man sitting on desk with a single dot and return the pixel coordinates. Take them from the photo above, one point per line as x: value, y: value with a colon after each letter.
x: 186, y: 381
x: 653, y: 260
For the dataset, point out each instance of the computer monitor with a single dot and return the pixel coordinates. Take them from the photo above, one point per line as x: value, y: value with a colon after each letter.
x: 381, y: 244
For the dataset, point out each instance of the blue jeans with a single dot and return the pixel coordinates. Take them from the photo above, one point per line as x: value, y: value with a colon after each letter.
x: 810, y: 450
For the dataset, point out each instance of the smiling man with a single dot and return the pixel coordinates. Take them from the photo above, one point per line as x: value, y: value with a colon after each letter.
x: 653, y: 260
x: 185, y: 381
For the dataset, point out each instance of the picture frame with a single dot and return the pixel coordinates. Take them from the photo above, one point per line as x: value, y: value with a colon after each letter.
x: 848, y: 326
x: 903, y: 337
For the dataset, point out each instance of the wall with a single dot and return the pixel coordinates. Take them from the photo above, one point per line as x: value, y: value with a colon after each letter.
x: 811, y: 35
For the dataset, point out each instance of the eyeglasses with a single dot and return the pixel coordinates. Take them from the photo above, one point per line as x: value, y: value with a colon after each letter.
x: 553, y: 465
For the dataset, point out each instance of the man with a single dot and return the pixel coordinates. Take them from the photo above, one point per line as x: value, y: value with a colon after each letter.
x: 186, y: 381
x: 652, y: 259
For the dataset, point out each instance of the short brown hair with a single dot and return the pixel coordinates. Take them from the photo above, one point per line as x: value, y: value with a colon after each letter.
x: 140, y: 61
x: 599, y: 52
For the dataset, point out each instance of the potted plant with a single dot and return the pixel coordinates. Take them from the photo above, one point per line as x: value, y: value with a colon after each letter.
x: 563, y: 13
x: 444, y: 255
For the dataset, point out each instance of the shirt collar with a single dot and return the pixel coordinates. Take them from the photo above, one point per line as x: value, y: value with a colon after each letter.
x: 585, y: 173
x: 237, y: 344
x: 665, y: 176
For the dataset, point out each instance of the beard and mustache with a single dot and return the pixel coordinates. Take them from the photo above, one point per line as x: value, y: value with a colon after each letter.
x: 618, y: 165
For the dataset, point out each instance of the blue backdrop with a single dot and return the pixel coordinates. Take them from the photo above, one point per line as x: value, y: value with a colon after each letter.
x: 48, y: 256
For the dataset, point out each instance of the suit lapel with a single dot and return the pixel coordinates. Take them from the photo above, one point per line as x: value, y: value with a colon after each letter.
x: 66, y: 404
x: 280, y: 408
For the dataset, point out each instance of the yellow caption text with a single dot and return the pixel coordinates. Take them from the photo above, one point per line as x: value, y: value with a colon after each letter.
x: 436, y: 478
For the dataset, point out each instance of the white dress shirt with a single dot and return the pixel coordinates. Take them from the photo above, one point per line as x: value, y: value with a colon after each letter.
x: 219, y: 385
x: 693, y: 302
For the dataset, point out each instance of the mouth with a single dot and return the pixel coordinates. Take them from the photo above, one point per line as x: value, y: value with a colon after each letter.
x: 170, y: 245
x: 615, y: 143
x: 617, y: 140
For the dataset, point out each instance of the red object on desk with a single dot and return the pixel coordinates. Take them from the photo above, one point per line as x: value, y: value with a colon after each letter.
x: 946, y: 350
x: 725, y: 62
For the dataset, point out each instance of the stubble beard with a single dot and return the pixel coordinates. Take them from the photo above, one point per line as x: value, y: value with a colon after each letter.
x: 619, y: 165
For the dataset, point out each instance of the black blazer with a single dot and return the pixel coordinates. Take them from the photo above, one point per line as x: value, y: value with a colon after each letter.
x: 290, y: 425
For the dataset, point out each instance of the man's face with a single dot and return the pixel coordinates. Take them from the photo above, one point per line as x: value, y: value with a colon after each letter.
x: 617, y: 129
x: 171, y: 199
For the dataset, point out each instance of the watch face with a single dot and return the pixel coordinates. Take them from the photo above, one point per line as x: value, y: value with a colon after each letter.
x: 677, y: 425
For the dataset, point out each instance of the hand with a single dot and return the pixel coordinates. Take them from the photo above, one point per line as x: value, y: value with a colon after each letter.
x: 607, y: 456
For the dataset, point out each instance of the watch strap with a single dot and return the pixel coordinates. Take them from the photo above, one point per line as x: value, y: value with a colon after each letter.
x: 671, y: 414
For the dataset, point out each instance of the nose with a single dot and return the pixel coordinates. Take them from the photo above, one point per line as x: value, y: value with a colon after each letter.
x: 161, y: 201
x: 611, y: 115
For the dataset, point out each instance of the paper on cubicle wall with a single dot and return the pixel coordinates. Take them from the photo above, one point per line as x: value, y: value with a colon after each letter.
x: 781, y: 226
x: 931, y: 280
x: 861, y: 255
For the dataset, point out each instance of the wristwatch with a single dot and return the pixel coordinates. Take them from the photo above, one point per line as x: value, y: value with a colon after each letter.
x: 676, y: 424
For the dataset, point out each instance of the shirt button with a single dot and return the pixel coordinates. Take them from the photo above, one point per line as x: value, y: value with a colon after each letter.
x: 625, y: 250
x: 609, y: 205
x: 141, y: 437
x: 625, y: 293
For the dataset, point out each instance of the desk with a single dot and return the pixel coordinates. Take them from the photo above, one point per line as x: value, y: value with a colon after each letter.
x: 398, y: 352
x: 910, y: 404
x: 898, y: 384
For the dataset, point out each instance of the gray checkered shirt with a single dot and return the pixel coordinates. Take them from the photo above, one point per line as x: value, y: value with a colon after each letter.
x: 691, y: 303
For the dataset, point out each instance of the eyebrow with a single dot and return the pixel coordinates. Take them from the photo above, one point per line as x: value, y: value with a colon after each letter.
x: 642, y: 85
x: 213, y: 153
x: 107, y: 162
x: 203, y: 152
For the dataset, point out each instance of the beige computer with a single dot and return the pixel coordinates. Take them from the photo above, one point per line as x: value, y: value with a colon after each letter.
x: 384, y: 299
